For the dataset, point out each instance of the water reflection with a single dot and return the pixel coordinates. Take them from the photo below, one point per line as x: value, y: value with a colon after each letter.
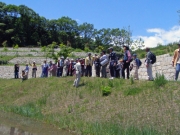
x: 11, y: 124
x: 5, y: 130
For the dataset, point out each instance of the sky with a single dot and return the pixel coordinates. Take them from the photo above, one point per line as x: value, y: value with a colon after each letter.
x: 155, y: 21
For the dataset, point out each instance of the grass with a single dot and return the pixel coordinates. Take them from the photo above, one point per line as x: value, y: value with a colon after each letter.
x: 138, y: 108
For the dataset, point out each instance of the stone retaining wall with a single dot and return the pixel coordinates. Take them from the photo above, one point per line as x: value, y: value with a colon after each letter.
x: 163, y: 65
x: 25, y: 60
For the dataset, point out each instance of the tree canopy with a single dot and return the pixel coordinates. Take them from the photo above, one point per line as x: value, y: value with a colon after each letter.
x: 23, y: 26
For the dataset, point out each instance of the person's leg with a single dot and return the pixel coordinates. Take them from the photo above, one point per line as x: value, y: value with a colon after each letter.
x: 105, y: 72
x: 86, y: 72
x: 111, y: 71
x: 15, y: 75
x: 136, y: 74
x: 75, y: 81
x: 123, y: 71
x: 58, y: 72
x: 120, y: 73
x: 102, y: 71
x: 177, y: 71
x: 61, y: 71
x: 127, y: 69
x: 114, y: 71
x: 32, y: 73
x: 149, y: 72
x: 97, y: 71
x: 90, y: 71
x: 78, y: 79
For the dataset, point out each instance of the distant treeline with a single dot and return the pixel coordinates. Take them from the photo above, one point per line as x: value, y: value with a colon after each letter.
x: 23, y: 26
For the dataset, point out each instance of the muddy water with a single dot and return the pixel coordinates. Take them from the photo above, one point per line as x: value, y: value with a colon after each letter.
x: 11, y: 124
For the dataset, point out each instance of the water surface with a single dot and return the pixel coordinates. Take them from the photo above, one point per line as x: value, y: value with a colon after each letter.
x: 12, y: 124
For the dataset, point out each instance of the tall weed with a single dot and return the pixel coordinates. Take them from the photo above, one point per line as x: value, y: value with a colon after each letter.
x: 160, y: 80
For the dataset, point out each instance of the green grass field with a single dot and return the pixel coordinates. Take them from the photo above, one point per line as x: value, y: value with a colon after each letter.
x: 98, y: 106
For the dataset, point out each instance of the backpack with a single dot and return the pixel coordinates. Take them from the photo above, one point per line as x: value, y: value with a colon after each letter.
x: 153, y: 58
x: 138, y: 62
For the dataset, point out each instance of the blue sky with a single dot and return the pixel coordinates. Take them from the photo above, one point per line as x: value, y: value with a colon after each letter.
x: 155, y: 21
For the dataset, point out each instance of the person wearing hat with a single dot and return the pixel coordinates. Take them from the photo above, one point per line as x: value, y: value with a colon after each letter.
x: 112, y: 63
x: 126, y: 60
x: 135, y: 64
x: 88, y: 65
x: 176, y: 61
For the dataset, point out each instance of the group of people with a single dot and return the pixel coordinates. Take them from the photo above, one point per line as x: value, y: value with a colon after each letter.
x: 83, y: 66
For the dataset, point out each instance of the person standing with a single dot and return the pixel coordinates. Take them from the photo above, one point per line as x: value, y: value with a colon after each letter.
x: 71, y: 68
x: 176, y: 62
x: 120, y: 67
x: 66, y: 65
x: 61, y: 66
x: 78, y: 73
x: 83, y: 67
x: 45, y: 69
x: 104, y: 62
x: 148, y: 64
x: 53, y: 69
x: 34, y: 69
x: 135, y: 66
x: 27, y: 70
x: 112, y: 63
x: 49, y: 67
x: 16, y: 71
x: 88, y: 64
x: 126, y: 60
x: 97, y: 66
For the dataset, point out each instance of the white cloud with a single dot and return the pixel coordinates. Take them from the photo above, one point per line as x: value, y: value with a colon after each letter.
x: 161, y: 36
x: 77, y: 20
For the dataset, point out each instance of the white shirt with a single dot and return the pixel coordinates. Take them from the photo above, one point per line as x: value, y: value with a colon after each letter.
x: 78, y: 67
x: 103, y: 57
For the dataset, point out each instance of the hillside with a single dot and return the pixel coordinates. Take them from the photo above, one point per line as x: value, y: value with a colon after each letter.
x: 132, y: 108
x: 159, y: 50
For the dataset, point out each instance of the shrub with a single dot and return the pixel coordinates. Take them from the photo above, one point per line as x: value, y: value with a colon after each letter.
x: 160, y: 80
x: 78, y: 50
x: 132, y: 80
x: 106, y: 90
x: 142, y: 55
